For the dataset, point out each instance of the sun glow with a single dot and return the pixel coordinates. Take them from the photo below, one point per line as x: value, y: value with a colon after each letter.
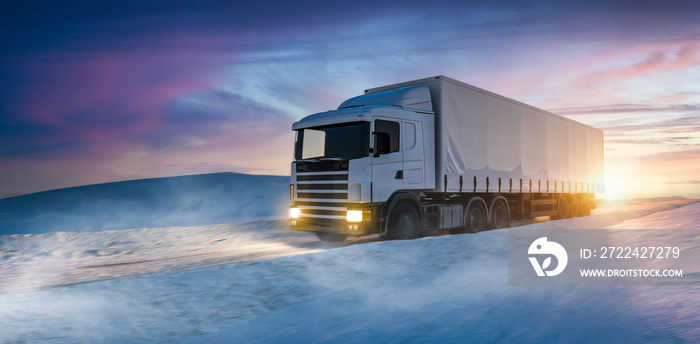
x: 618, y: 184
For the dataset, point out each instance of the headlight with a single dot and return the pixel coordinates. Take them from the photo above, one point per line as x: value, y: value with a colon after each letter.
x: 354, y: 216
x: 294, y: 213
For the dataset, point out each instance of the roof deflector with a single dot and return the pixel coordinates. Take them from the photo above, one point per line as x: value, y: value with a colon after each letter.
x: 412, y: 97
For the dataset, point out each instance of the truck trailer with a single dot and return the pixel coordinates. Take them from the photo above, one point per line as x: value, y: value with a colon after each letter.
x: 425, y: 156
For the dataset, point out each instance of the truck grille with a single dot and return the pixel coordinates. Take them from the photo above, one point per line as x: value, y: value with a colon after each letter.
x: 322, y: 194
x: 323, y: 186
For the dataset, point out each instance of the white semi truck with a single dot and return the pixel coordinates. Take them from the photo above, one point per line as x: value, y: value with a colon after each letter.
x: 430, y: 155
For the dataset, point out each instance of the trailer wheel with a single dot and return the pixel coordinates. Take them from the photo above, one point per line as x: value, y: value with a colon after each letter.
x: 563, y: 209
x: 575, y: 206
x: 403, y: 223
x: 331, y: 237
x: 585, y: 205
x: 500, y: 217
x: 475, y: 218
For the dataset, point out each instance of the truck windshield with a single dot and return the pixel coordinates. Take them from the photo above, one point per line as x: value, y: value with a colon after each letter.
x: 343, y: 141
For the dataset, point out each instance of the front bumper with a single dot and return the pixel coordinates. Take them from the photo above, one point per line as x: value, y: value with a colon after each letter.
x: 312, y: 224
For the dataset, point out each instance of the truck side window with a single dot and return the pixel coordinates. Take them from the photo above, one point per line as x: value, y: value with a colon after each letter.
x: 391, y: 128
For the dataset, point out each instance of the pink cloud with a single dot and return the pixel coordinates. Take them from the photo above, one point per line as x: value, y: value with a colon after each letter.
x: 94, y: 96
x: 611, y: 67
x: 687, y: 56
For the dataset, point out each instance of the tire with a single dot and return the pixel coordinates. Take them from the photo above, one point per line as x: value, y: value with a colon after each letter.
x: 499, y: 215
x: 575, y: 206
x: 403, y: 223
x: 563, y: 209
x: 475, y: 219
x: 458, y: 230
x: 585, y: 205
x: 331, y: 237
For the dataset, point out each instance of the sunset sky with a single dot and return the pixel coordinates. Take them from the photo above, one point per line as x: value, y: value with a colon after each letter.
x: 95, y: 92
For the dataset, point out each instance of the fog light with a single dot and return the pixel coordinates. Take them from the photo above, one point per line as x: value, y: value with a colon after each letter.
x: 354, y: 215
x: 294, y: 213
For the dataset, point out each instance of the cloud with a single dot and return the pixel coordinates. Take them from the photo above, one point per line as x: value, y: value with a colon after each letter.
x: 210, y: 131
x: 210, y: 117
x: 58, y: 151
x: 627, y: 108
x: 96, y: 97
x: 657, y: 125
x: 638, y: 63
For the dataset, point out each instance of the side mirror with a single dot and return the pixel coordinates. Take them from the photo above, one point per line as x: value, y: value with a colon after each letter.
x: 382, y: 143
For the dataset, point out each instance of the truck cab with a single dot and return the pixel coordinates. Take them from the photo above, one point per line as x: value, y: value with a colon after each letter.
x: 349, y: 162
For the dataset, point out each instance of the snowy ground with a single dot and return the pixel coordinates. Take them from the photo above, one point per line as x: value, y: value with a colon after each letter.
x: 259, y: 282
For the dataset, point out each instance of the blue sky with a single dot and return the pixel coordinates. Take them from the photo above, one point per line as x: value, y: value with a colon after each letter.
x: 99, y: 92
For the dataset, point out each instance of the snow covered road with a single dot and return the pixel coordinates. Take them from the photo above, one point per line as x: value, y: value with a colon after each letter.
x: 33, y: 262
x: 160, y: 285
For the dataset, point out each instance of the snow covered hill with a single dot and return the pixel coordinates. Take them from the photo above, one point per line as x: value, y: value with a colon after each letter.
x: 260, y: 282
x: 175, y: 201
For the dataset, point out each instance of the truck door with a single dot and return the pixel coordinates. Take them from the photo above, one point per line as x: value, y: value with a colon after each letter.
x: 387, y: 166
x: 413, y: 156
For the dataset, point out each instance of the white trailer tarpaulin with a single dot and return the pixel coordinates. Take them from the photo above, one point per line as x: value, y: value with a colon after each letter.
x: 489, y: 143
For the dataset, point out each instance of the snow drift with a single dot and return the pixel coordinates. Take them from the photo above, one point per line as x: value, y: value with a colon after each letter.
x: 176, y: 201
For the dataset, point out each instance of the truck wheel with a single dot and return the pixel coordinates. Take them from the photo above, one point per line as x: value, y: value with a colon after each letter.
x: 403, y: 223
x: 499, y: 215
x: 331, y: 237
x: 575, y: 206
x: 563, y: 209
x: 475, y: 217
